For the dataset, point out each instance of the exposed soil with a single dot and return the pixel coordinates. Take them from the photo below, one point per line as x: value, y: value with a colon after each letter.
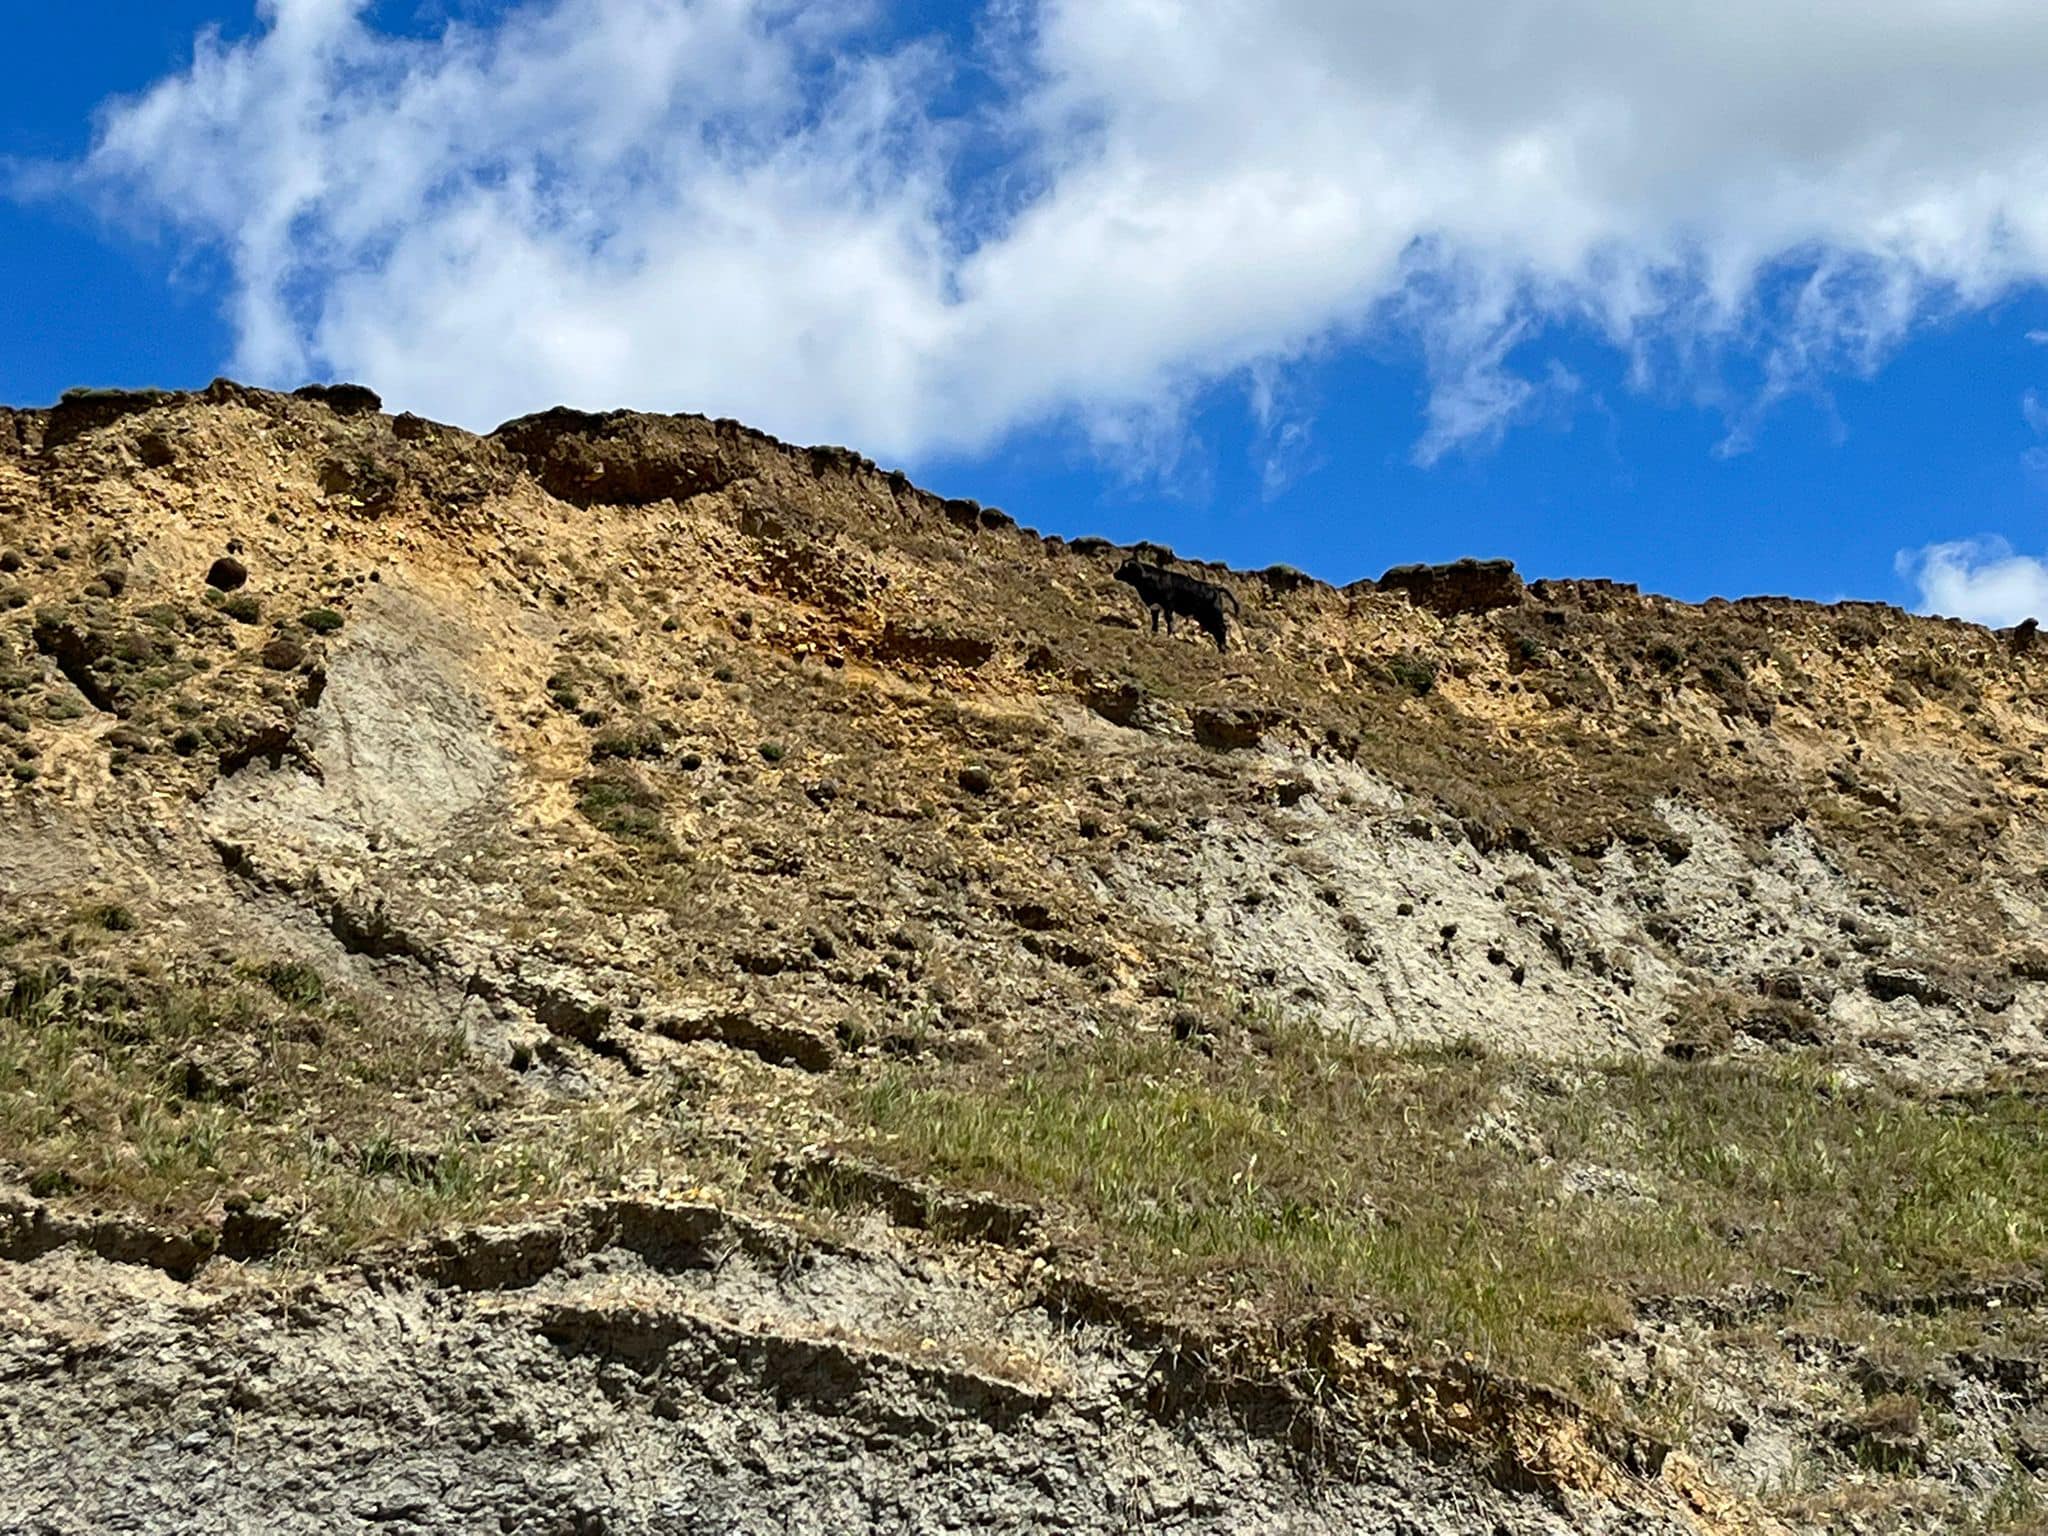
x: 572, y: 827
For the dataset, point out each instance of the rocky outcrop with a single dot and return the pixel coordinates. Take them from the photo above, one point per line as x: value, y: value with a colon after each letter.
x: 621, y: 458
x: 343, y: 399
x: 1462, y: 587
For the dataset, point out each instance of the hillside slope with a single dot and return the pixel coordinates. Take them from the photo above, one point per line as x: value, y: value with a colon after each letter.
x: 621, y: 975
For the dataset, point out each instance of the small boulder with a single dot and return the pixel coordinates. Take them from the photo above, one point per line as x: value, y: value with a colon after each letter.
x: 1889, y: 983
x: 1232, y: 729
x: 1117, y: 699
x: 1793, y: 986
x: 226, y: 574
x: 977, y: 779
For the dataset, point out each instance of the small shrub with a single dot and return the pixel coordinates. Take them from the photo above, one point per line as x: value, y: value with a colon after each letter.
x: 1931, y: 674
x: 243, y: 608
x: 49, y: 1183
x: 293, y: 981
x: 1703, y: 1020
x: 1415, y: 673
x: 623, y: 805
x: 322, y: 621
x: 639, y: 739
x: 773, y: 751
x: 114, y: 917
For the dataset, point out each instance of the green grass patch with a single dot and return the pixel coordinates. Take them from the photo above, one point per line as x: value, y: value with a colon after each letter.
x: 1503, y: 1208
x: 291, y: 981
x: 167, y: 1096
x: 636, y: 739
x: 620, y: 802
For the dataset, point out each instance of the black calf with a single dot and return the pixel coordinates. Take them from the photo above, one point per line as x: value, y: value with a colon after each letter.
x: 1169, y: 593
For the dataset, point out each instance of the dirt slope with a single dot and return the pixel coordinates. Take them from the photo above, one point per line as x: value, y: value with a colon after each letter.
x: 1474, y: 1056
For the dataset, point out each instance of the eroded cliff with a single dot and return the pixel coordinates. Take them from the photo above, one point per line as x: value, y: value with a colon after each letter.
x: 621, y: 975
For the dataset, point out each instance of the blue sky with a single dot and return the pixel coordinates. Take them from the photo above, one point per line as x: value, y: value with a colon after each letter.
x: 1718, y: 299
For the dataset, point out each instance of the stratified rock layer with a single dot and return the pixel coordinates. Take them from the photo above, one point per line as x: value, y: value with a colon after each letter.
x: 648, y: 751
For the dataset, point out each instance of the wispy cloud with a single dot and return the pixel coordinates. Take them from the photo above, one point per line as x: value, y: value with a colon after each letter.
x: 748, y: 206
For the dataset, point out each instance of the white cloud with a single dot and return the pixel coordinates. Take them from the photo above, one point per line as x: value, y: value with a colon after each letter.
x: 1978, y: 579
x: 746, y: 206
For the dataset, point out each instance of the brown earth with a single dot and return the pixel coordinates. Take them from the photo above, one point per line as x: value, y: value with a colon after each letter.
x: 730, y: 864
